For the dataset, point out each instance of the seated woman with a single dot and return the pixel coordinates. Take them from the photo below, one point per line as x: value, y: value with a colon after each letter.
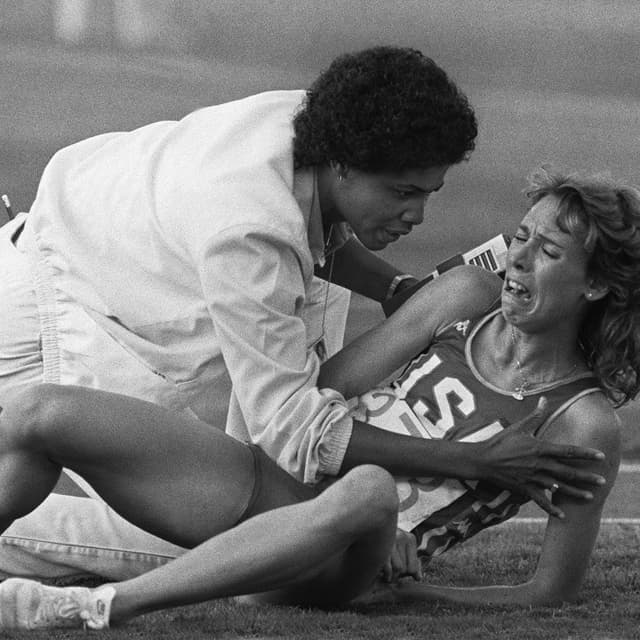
x: 563, y: 325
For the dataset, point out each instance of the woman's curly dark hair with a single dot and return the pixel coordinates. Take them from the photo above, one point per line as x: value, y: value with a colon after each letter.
x: 384, y: 109
x: 605, y: 215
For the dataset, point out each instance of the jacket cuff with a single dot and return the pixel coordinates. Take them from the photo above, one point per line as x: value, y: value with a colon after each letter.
x: 334, y: 446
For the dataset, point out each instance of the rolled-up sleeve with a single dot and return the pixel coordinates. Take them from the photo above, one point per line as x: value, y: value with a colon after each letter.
x: 253, y: 279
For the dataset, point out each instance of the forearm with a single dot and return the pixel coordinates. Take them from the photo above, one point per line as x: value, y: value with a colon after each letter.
x: 406, y: 455
x: 359, y: 270
x: 522, y: 595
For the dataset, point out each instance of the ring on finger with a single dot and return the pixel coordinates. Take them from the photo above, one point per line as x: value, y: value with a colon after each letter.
x: 554, y: 487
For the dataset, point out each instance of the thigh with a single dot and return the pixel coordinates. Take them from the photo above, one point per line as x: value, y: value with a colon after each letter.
x: 274, y: 487
x: 168, y: 473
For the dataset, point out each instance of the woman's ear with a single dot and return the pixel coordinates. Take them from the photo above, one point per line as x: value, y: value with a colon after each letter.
x: 595, y: 291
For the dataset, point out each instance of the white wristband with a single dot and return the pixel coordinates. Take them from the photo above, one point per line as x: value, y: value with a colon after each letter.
x: 395, y: 282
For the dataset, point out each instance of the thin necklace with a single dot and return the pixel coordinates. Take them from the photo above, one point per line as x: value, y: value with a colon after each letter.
x: 525, y: 385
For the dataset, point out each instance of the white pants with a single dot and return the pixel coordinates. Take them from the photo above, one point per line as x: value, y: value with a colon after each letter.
x: 73, y: 533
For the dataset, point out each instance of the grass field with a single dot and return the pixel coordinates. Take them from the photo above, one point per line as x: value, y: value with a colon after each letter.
x: 543, y: 90
x: 608, y: 609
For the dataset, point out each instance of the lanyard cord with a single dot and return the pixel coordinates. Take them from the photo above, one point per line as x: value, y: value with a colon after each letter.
x: 321, y: 349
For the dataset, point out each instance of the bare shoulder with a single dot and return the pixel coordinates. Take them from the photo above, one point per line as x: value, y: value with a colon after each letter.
x: 472, y: 280
x: 591, y: 422
x: 461, y: 292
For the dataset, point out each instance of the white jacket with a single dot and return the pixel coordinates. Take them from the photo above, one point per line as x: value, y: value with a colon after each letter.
x: 177, y: 263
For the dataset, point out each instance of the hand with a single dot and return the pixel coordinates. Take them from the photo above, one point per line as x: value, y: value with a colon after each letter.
x: 403, y: 560
x: 517, y: 460
x: 405, y: 284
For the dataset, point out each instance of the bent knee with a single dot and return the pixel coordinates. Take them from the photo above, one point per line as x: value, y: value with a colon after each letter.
x: 368, y: 493
x: 30, y: 415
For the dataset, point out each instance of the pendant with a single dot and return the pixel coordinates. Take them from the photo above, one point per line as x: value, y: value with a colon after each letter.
x: 517, y: 394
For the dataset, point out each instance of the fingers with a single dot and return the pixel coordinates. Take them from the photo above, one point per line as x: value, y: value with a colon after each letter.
x: 516, y: 459
x: 573, y: 492
x: 413, y: 566
x: 542, y: 487
x: 566, y: 474
x: 542, y: 410
x: 571, y: 452
x: 403, y: 560
x: 398, y: 565
x: 539, y: 496
x: 537, y: 491
x: 537, y: 417
x: 553, y: 485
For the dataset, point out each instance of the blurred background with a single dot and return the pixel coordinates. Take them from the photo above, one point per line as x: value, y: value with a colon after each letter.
x: 551, y: 81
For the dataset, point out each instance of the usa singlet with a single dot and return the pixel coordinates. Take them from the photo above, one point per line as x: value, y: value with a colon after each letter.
x: 441, y: 394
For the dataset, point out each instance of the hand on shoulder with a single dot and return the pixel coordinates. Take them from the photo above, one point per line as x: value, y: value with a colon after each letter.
x: 591, y: 421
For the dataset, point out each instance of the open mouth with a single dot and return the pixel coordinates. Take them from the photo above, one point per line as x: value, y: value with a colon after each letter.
x: 517, y: 290
x: 395, y: 233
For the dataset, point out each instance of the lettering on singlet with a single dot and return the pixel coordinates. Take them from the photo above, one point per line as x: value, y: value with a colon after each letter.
x: 440, y: 396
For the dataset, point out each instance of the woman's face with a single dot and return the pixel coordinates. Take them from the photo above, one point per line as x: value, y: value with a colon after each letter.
x: 546, y: 280
x: 381, y: 207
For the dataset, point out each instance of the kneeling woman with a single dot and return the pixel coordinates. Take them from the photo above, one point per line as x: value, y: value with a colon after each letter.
x: 563, y: 325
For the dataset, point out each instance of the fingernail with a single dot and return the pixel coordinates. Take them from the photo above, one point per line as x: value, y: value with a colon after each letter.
x: 601, y: 480
x: 588, y: 495
x: 600, y: 456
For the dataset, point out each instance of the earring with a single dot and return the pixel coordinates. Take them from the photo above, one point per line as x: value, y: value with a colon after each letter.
x: 340, y: 170
x: 589, y: 295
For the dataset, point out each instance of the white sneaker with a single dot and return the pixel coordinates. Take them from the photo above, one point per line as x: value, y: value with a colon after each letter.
x: 27, y: 604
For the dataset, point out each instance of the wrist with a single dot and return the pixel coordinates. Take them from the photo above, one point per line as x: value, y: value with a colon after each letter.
x: 399, y: 282
x: 470, y: 463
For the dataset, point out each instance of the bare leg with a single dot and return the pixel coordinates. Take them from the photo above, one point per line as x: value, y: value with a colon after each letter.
x: 327, y: 550
x: 173, y: 476
x: 187, y: 482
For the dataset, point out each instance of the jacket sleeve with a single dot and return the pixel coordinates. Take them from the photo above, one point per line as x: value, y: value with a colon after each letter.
x: 254, y: 283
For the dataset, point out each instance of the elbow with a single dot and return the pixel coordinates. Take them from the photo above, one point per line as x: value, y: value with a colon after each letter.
x: 544, y: 594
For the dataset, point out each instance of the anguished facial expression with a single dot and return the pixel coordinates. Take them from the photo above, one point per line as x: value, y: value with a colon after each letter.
x: 381, y: 207
x: 546, y: 276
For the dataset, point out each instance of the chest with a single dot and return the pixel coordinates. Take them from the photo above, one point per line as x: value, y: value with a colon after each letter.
x: 451, y: 401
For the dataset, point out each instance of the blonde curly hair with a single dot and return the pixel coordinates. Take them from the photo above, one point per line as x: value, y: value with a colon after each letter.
x: 604, y: 214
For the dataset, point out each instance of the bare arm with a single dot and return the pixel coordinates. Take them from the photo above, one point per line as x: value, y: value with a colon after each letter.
x: 568, y: 542
x: 513, y: 458
x: 461, y: 293
x: 375, y: 355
